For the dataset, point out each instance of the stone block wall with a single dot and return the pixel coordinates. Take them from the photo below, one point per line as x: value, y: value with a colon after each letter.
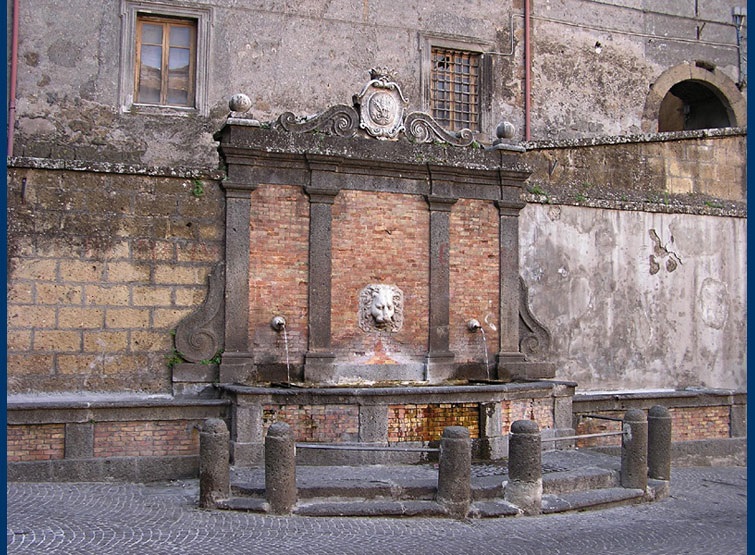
x: 102, y: 265
x: 672, y: 169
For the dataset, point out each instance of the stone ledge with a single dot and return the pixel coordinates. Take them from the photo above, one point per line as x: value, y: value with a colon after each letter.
x: 112, y: 167
x: 121, y: 469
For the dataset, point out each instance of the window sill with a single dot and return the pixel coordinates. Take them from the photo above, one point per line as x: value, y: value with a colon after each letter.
x: 158, y: 110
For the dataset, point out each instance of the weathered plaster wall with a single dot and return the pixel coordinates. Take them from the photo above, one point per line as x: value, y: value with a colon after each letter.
x: 614, y: 53
x: 592, y: 66
x: 638, y: 300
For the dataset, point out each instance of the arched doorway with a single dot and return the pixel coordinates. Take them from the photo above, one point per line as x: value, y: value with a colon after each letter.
x: 693, y: 96
x: 693, y: 105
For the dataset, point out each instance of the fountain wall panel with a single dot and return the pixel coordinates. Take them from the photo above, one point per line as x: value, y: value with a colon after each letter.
x: 278, y: 266
x: 474, y: 278
x: 379, y: 238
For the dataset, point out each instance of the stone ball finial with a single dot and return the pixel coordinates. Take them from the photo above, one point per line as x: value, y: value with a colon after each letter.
x: 505, y: 130
x: 240, y: 103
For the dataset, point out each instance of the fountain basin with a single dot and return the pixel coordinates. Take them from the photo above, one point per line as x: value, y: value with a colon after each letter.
x: 393, y: 416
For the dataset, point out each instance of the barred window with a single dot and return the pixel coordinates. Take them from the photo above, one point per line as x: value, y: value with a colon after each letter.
x: 455, y: 88
x: 165, y: 61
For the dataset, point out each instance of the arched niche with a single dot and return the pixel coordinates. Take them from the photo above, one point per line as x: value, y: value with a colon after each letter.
x: 693, y: 95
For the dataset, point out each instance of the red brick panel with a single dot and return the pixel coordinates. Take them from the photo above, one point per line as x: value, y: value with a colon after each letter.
x: 426, y: 422
x: 687, y: 424
x: 699, y: 423
x: 146, y: 439
x: 475, y: 287
x: 379, y: 238
x: 36, y: 443
x: 599, y: 426
x: 316, y: 423
x: 278, y: 269
x: 539, y: 410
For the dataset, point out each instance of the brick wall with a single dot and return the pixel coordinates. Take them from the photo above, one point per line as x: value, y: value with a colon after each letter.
x: 100, y: 273
x: 278, y: 271
x: 699, y: 423
x: 317, y: 423
x: 687, y: 424
x: 474, y: 282
x: 146, y: 439
x: 539, y: 410
x: 35, y: 443
x: 379, y: 238
x: 425, y: 422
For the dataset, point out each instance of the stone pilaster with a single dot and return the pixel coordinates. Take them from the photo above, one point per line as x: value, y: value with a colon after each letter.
x: 237, y: 364
x: 508, y: 337
x: 319, y: 357
x: 439, y: 362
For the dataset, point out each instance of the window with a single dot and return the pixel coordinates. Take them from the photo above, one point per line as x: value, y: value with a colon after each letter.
x: 456, y: 78
x: 455, y: 88
x: 165, y: 53
x: 165, y: 61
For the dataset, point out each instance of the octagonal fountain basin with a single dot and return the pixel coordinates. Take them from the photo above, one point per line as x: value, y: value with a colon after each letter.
x: 400, y: 418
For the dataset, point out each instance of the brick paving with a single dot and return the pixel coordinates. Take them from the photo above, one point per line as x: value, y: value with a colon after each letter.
x: 705, y: 514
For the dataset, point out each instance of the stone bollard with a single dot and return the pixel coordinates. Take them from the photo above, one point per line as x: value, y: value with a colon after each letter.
x: 214, y: 465
x: 455, y: 471
x: 280, y: 468
x: 634, y: 450
x: 525, y: 486
x: 659, y: 443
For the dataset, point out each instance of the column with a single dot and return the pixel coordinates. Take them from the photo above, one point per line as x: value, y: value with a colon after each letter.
x: 439, y: 362
x: 237, y: 363
x: 508, y: 337
x: 319, y: 357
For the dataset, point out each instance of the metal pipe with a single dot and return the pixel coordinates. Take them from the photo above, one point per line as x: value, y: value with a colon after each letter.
x: 601, y: 434
x: 527, y: 72
x: 601, y: 417
x: 13, y: 73
x: 366, y: 448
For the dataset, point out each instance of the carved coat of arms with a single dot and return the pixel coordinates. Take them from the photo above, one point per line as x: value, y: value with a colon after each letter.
x: 381, y: 106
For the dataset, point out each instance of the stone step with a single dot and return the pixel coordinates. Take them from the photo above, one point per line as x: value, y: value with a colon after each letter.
x: 351, y: 489
x: 490, y: 508
x: 410, y: 490
x: 590, y: 499
x: 580, y: 480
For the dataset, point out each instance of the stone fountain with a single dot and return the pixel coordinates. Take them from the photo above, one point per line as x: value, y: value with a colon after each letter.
x: 372, y: 237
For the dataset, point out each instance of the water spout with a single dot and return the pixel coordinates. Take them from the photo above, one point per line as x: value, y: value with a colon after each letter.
x: 279, y: 324
x: 474, y: 326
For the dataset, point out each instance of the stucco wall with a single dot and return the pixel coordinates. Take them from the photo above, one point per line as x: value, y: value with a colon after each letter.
x: 592, y: 66
x: 638, y: 300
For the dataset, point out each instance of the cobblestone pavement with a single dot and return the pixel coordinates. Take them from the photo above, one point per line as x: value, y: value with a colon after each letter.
x: 706, y: 514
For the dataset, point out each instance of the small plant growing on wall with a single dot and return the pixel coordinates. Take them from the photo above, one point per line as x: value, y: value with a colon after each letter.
x: 173, y: 358
x: 198, y: 188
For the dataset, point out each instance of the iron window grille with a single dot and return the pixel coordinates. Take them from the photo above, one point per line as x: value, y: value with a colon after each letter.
x: 455, y: 88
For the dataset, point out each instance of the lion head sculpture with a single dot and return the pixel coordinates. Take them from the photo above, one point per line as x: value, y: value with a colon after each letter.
x: 381, y: 308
